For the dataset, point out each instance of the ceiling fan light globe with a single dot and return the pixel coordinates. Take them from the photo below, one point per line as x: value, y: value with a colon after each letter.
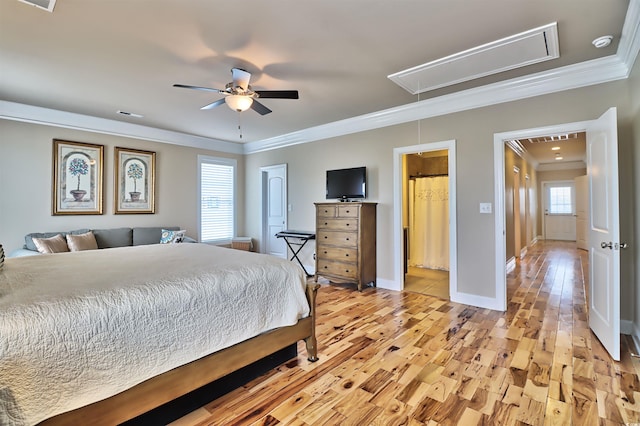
x: 239, y: 102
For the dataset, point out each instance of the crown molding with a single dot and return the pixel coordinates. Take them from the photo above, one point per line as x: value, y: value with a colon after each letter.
x: 587, y: 73
x: 68, y: 120
x: 603, y: 70
x: 569, y: 165
x: 597, y: 71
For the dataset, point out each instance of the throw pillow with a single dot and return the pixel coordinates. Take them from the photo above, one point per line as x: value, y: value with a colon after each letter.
x: 55, y: 244
x: 86, y: 241
x: 172, y: 237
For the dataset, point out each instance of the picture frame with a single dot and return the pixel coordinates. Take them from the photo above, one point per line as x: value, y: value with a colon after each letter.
x: 135, y: 177
x: 77, y: 178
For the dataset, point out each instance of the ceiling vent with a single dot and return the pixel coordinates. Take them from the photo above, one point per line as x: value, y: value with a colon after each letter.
x: 527, y: 48
x: 47, y: 5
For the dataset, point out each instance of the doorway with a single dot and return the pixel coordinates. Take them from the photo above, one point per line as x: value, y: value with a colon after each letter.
x: 427, y: 223
x: 274, y: 209
x: 424, y: 191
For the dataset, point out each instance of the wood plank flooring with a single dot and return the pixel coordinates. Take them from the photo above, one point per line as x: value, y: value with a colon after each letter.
x: 394, y: 358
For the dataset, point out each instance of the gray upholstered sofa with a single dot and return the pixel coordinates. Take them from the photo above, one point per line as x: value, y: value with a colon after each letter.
x: 105, y: 238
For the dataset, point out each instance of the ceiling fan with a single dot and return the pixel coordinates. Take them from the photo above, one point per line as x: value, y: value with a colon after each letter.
x: 239, y: 96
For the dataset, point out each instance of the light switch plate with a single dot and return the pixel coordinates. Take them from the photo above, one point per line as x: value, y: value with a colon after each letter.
x: 485, y: 207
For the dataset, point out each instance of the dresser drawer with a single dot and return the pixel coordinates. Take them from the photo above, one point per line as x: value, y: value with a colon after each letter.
x: 342, y: 254
x: 326, y: 211
x: 341, y: 269
x: 347, y: 211
x: 341, y: 238
x: 337, y: 224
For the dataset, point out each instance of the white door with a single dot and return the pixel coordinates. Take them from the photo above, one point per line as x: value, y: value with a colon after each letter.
x: 582, y: 212
x: 559, y: 210
x: 274, y: 209
x: 604, y: 231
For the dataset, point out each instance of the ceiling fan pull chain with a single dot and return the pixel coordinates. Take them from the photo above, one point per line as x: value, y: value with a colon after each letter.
x: 239, y: 124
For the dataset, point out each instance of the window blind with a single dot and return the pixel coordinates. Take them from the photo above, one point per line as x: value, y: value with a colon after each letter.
x: 217, y: 200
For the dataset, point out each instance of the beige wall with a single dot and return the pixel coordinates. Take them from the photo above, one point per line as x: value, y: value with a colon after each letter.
x: 473, y: 132
x: 511, y: 160
x: 25, y: 183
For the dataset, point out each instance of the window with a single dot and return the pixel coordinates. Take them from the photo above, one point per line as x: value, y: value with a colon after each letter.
x: 216, y: 211
x: 560, y: 200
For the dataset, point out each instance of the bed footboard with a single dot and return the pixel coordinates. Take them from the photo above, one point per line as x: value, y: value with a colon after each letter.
x: 168, y: 386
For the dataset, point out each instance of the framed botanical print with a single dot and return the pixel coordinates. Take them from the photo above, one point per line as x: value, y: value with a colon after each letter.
x: 77, y: 178
x: 134, y: 181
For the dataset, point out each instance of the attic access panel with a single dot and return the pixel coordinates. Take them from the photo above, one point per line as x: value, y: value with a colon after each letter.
x: 47, y: 5
x: 526, y: 48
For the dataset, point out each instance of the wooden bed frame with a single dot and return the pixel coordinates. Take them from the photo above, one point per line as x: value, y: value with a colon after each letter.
x: 174, y: 383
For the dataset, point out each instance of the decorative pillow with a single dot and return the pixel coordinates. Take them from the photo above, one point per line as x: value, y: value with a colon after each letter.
x: 55, y: 244
x: 81, y: 242
x: 172, y: 237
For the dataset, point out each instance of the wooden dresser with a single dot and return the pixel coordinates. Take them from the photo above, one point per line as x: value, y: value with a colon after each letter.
x: 346, y: 242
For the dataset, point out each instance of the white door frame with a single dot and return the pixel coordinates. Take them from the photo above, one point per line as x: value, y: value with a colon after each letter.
x: 499, y: 140
x: 398, y: 259
x: 264, y: 176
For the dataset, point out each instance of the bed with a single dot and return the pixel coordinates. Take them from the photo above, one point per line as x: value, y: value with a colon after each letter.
x: 109, y: 334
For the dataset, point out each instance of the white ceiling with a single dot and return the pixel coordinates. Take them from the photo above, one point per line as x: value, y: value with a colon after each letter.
x: 98, y: 57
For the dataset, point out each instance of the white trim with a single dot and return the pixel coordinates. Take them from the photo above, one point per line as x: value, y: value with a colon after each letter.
x: 398, y: 254
x: 388, y: 284
x: 626, y: 327
x: 597, y: 71
x: 569, y: 165
x: 588, y: 73
x: 477, y: 301
x: 68, y: 120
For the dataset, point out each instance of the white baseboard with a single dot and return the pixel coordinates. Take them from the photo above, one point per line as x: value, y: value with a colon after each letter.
x: 635, y: 335
x: 477, y: 301
x: 388, y: 284
x: 523, y: 252
x: 627, y: 327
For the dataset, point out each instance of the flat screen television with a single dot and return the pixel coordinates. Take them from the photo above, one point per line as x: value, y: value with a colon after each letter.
x: 346, y: 184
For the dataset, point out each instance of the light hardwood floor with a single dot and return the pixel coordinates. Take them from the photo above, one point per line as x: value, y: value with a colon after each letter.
x: 390, y: 358
x: 431, y: 282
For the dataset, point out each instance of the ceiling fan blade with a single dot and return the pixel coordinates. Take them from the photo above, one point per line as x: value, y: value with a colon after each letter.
x: 278, y: 94
x: 213, y: 104
x: 206, y: 89
x: 259, y: 108
x: 241, y: 78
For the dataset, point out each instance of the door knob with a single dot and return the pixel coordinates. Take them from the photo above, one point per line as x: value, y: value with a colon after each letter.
x: 623, y: 245
x: 605, y: 245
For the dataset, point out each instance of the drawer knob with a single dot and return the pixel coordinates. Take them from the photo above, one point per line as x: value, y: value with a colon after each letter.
x: 346, y: 270
x: 346, y: 255
x: 325, y: 237
x: 346, y: 238
x: 325, y: 267
x: 325, y: 252
x: 325, y: 224
x: 347, y: 224
x: 347, y: 211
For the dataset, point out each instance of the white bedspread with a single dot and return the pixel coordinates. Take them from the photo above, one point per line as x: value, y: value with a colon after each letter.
x: 78, y: 327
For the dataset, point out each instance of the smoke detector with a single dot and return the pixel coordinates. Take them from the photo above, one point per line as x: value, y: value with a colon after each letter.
x: 603, y: 41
